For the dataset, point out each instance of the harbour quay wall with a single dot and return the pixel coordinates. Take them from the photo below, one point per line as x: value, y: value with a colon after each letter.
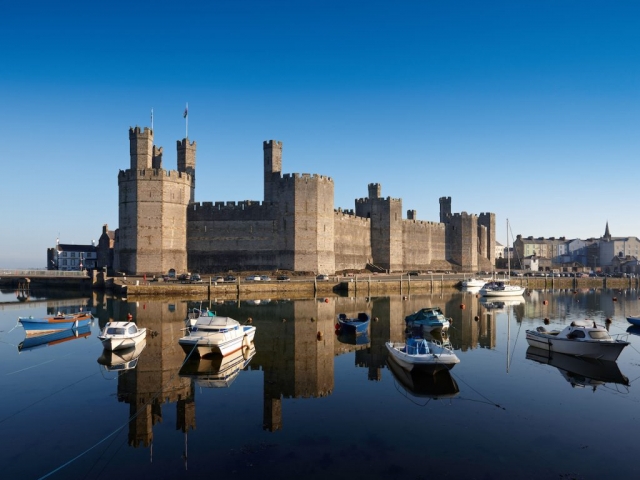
x: 356, y: 286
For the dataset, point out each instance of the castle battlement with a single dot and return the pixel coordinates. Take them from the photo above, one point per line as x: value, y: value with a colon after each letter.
x: 124, y: 175
x: 363, y: 201
x: 269, y: 143
x: 315, y: 177
x: 426, y: 223
x: 242, y: 205
x: 463, y: 215
x: 351, y: 217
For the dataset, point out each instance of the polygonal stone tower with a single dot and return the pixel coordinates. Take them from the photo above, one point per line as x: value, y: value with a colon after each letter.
x: 152, y: 236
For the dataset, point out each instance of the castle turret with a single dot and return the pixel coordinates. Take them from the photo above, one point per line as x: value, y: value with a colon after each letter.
x: 187, y: 162
x: 272, y: 168
x: 141, y: 148
x: 445, y: 209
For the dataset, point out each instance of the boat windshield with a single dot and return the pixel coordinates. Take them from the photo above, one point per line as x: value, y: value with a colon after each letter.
x: 599, y: 335
x: 115, y: 331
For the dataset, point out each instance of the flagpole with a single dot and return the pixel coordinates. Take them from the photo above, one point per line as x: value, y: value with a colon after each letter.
x: 151, y: 118
x: 186, y: 117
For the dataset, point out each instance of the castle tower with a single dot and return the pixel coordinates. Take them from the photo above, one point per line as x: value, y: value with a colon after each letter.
x: 187, y: 162
x: 140, y: 148
x: 445, y: 209
x: 152, y: 210
x: 375, y: 190
x: 156, y: 159
x: 272, y: 168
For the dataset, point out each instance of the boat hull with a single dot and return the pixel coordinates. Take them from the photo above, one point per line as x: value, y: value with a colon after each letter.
x: 581, y: 348
x: 53, y: 338
x: 39, y: 326
x: 634, y: 321
x: 514, y: 291
x: 430, y: 361
x: 121, y: 343
x: 203, y: 345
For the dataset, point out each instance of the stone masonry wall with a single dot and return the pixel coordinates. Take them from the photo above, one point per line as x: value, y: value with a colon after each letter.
x: 352, y: 241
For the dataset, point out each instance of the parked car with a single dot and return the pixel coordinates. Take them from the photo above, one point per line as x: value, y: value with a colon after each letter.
x: 230, y: 278
x: 413, y: 274
x: 265, y: 278
x: 253, y: 278
x: 195, y: 278
x: 183, y: 277
x: 283, y: 278
x: 219, y: 279
x: 322, y: 277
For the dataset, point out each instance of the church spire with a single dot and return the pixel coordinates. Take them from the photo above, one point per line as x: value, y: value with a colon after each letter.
x: 607, y: 235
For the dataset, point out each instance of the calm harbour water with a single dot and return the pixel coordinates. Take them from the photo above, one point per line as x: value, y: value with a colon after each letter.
x: 309, y: 406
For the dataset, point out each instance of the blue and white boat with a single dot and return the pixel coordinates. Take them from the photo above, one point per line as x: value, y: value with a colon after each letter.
x: 428, y: 319
x: 358, y: 325
x: 53, y: 338
x: 52, y: 323
x: 423, y: 354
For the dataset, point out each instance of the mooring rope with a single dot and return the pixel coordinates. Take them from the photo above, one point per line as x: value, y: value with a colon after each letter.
x: 118, y: 429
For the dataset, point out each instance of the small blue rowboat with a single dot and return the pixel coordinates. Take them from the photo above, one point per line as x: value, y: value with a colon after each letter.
x: 38, y: 326
x: 634, y: 321
x: 54, y: 338
x: 356, y: 326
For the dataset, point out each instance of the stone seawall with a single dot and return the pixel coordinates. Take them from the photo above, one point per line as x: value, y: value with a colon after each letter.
x: 369, y: 286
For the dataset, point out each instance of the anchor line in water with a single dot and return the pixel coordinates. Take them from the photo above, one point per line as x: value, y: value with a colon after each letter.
x: 48, y: 396
x: 121, y: 427
x: 490, y: 402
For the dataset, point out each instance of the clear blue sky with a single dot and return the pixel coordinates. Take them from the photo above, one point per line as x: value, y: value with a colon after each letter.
x: 528, y: 109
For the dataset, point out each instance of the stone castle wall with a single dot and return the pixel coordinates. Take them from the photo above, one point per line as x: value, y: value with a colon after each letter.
x: 352, y: 241
x: 424, y: 244
x: 295, y: 228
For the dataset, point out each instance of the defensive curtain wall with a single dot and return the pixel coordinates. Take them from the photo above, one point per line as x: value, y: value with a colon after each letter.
x: 295, y: 228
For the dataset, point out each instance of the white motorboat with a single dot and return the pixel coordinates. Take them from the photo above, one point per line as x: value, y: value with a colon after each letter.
x: 583, y: 338
x: 119, y: 335
x: 501, y: 289
x: 216, y: 335
x: 473, y: 282
x: 421, y: 353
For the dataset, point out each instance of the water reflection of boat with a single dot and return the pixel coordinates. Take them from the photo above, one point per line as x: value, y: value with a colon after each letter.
x: 54, y: 338
x: 580, y: 371
x: 123, y: 359
x: 500, y: 303
x: 419, y: 383
x: 217, y: 371
x: 633, y: 330
x: 353, y: 339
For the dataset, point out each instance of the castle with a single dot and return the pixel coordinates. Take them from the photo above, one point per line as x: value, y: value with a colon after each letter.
x: 295, y: 227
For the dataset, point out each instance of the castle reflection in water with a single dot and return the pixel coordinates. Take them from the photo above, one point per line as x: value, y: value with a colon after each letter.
x: 295, y: 346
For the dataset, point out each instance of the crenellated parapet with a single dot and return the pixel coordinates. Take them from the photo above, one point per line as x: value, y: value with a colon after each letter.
x: 154, y: 173
x: 363, y: 201
x: 350, y: 216
x: 292, y: 177
x: 247, y: 210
